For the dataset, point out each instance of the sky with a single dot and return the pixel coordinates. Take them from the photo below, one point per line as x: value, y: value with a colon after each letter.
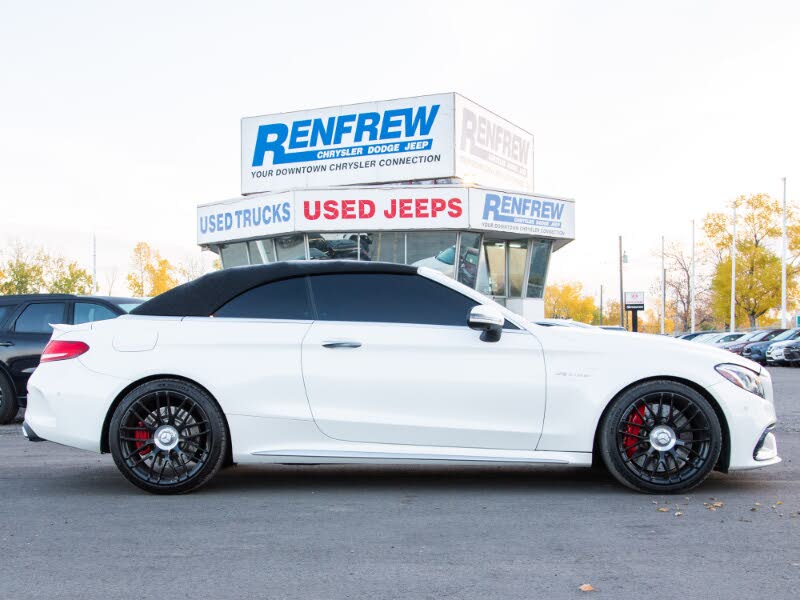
x: 119, y: 118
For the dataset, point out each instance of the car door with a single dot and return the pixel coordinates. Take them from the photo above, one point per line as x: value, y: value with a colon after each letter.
x: 28, y: 337
x: 390, y: 359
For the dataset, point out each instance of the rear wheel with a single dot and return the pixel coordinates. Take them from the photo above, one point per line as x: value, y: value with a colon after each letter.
x: 168, y: 437
x: 661, y: 437
x: 8, y: 401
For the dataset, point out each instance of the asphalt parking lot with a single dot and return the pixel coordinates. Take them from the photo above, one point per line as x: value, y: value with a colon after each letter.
x: 72, y: 527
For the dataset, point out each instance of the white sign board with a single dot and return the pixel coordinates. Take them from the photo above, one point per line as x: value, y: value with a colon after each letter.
x: 374, y: 142
x: 634, y: 300
x: 526, y: 214
x: 244, y: 218
x: 490, y: 151
x: 359, y: 209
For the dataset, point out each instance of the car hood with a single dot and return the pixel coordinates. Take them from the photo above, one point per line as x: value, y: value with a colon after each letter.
x: 637, y: 346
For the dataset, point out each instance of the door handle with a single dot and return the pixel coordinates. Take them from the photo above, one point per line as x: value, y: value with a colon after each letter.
x: 341, y: 344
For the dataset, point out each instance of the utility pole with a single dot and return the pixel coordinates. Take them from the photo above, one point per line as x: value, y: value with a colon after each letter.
x: 783, y: 260
x: 691, y: 279
x: 621, y: 295
x: 663, y: 287
x: 733, y: 273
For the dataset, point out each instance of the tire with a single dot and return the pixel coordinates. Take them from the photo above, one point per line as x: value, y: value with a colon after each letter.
x: 168, y: 436
x: 660, y: 437
x: 8, y: 401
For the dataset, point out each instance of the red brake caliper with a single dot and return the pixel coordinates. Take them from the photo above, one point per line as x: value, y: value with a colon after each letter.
x: 141, y: 434
x: 629, y: 442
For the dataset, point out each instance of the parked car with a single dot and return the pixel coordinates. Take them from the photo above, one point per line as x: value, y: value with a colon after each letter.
x: 774, y: 354
x: 764, y: 335
x: 25, y: 327
x: 758, y: 350
x: 691, y: 336
x: 722, y: 338
x: 791, y: 354
x: 399, y: 364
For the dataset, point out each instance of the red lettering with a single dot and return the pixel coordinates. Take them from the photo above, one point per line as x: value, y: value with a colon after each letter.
x: 405, y: 208
x: 391, y: 212
x: 437, y: 206
x: 348, y: 209
x: 307, y: 212
x: 366, y: 209
x: 422, y: 208
x: 331, y: 209
x: 455, y: 207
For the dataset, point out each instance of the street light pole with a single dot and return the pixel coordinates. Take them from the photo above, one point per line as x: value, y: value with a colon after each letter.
x: 783, y: 260
x: 691, y: 279
x: 621, y: 296
x: 601, y: 304
x: 733, y: 273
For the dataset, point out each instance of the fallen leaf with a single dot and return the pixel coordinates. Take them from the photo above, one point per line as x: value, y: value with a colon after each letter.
x: 586, y: 587
x: 663, y: 509
x: 758, y: 503
x: 679, y: 514
x: 779, y: 502
x: 754, y: 509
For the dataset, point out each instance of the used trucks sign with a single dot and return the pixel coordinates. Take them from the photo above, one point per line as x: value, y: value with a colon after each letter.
x: 411, y: 139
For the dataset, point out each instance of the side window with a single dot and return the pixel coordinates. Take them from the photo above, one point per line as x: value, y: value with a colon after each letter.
x: 285, y: 299
x: 5, y: 311
x: 387, y: 298
x: 89, y: 311
x: 37, y: 317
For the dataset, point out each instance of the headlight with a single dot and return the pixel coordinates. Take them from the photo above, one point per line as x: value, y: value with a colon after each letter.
x: 743, y: 377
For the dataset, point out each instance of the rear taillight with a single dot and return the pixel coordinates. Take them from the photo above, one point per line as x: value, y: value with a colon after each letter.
x: 62, y: 350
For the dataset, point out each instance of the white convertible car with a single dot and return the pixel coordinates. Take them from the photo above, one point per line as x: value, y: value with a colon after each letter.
x: 342, y: 361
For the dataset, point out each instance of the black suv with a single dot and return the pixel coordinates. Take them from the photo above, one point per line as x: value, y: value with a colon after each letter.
x: 25, y: 330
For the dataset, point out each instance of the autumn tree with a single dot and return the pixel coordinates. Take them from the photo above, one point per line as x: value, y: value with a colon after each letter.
x: 151, y: 273
x: 566, y: 301
x: 758, y: 270
x: 27, y: 270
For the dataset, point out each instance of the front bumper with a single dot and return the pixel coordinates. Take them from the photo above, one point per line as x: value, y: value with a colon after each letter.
x: 29, y: 433
x: 751, y: 420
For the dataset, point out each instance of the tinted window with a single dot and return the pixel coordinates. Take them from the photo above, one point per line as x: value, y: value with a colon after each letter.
x: 4, y: 312
x: 286, y: 299
x: 37, y: 317
x: 89, y: 311
x: 374, y: 297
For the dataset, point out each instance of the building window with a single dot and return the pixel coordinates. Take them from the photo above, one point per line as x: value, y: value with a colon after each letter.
x: 262, y: 252
x: 517, y: 261
x: 470, y: 253
x: 339, y: 246
x: 492, y: 277
x: 234, y: 255
x: 432, y: 249
x: 539, y: 260
x: 388, y: 246
x: 291, y: 247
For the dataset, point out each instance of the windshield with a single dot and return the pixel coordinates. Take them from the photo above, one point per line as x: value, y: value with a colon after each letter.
x: 786, y: 335
x: 447, y: 256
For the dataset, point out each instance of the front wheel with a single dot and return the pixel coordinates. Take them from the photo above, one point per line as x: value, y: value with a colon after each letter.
x: 660, y: 437
x: 168, y: 437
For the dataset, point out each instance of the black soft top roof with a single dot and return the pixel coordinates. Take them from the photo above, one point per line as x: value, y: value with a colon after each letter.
x: 203, y: 296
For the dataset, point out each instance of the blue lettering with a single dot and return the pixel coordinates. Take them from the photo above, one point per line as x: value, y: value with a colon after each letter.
x: 491, y: 205
x: 203, y: 224
x: 420, y: 122
x: 342, y: 127
x: 264, y: 144
x: 286, y: 213
x: 299, y: 132
x: 391, y: 118
x: 367, y: 123
x: 320, y: 132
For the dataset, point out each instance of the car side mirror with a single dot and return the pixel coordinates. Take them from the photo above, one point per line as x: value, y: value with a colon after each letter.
x: 487, y: 319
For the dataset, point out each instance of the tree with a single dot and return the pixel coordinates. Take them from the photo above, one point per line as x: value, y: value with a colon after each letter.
x: 152, y: 274
x: 66, y: 277
x: 565, y: 301
x: 23, y: 271
x: 758, y: 270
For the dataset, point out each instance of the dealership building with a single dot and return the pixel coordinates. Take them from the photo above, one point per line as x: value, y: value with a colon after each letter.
x: 435, y: 181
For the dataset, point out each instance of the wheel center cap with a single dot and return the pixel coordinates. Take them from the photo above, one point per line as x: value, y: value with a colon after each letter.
x: 166, y: 437
x: 662, y: 438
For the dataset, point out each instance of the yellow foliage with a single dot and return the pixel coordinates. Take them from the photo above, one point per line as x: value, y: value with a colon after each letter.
x: 152, y: 274
x: 566, y: 301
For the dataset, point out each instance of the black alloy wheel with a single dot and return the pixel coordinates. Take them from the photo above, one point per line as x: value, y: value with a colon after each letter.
x: 8, y: 401
x: 661, y: 437
x: 168, y: 437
